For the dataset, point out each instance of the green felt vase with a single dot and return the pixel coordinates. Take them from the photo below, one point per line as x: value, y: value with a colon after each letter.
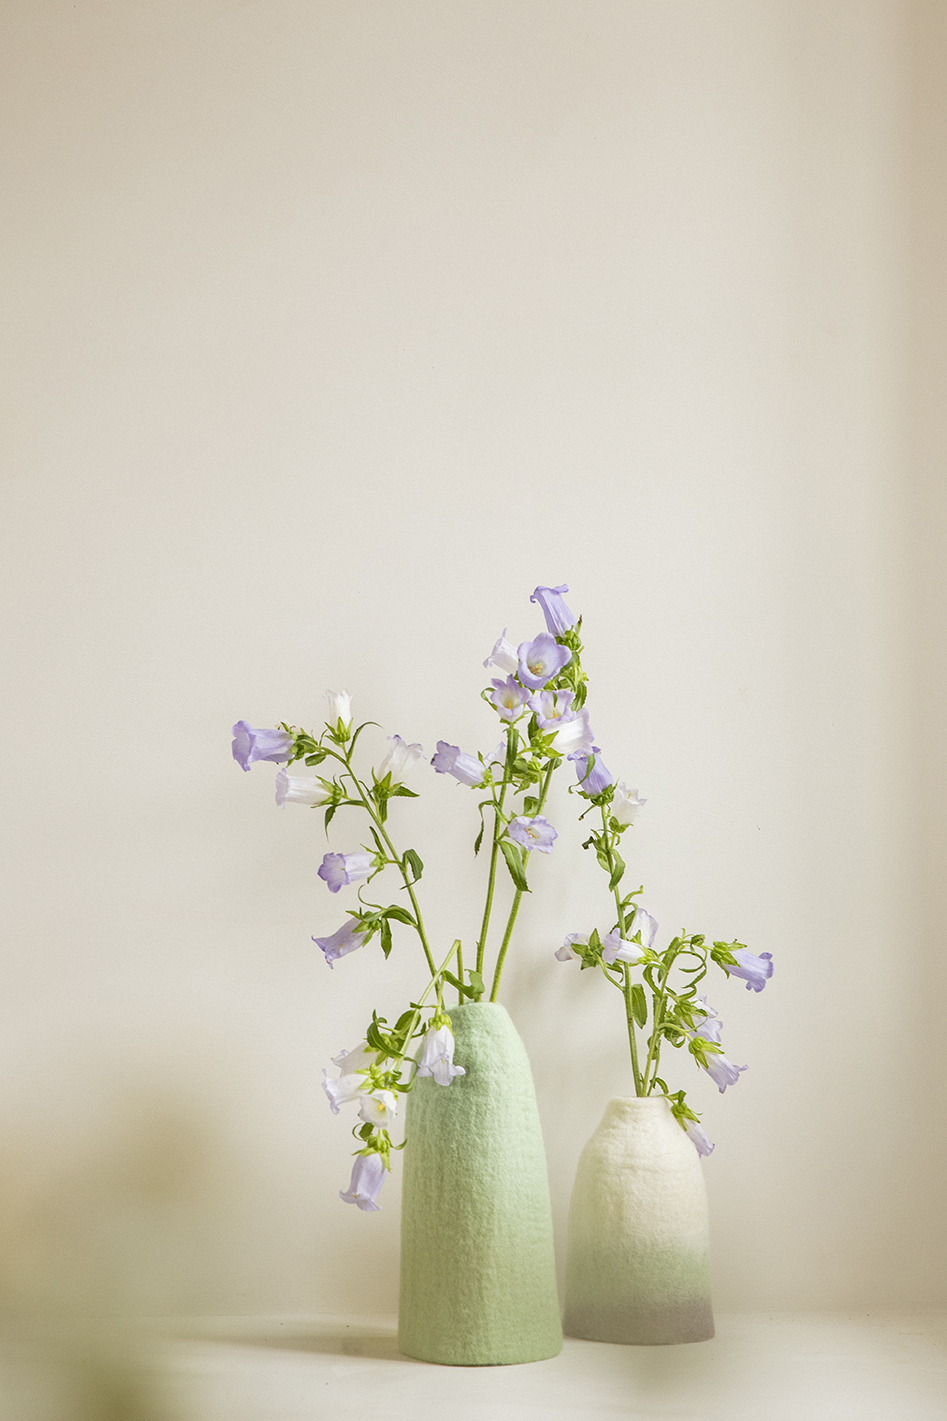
x: 638, y: 1262
x: 478, y: 1283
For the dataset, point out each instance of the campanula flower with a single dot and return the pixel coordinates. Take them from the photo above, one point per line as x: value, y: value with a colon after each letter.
x: 300, y: 789
x: 343, y: 1089
x: 626, y: 804
x: 566, y: 953
x: 340, y: 708
x: 535, y: 833
x: 558, y: 617
x: 358, y: 1059
x: 594, y: 780
x: 497, y: 756
x: 551, y: 708
x: 698, y: 1136
x: 541, y: 659
x: 368, y: 1175
x: 707, y: 1023
x: 722, y: 1072
x: 574, y: 736
x: 616, y: 949
x: 755, y: 970
x: 400, y: 759
x: 450, y: 760
x: 645, y: 925
x: 509, y: 698
x: 437, y: 1057
x: 337, y: 870
x: 250, y: 745
x: 379, y: 1108
x: 350, y: 936
x: 503, y: 656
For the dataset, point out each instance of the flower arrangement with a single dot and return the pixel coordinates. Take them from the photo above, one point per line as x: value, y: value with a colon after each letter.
x: 539, y: 697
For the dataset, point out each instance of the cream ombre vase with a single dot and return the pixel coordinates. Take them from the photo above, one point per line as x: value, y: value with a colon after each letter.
x: 638, y: 1263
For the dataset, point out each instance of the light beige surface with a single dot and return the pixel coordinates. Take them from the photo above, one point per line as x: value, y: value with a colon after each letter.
x: 780, y: 1367
x: 331, y: 328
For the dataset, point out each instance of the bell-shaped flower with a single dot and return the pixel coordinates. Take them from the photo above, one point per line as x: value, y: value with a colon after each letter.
x: 437, y: 1056
x: 400, y: 759
x: 503, y: 656
x: 567, y: 953
x: 756, y: 971
x: 721, y: 1071
x: 707, y: 1023
x: 497, y: 756
x: 379, y: 1108
x: 616, y: 949
x: 250, y: 745
x: 535, y: 833
x: 300, y: 789
x: 626, y: 804
x: 358, y: 1059
x: 541, y: 659
x: 558, y: 617
x: 552, y: 708
x: 450, y: 760
x: 368, y: 1175
x: 698, y: 1137
x: 350, y: 936
x: 645, y: 925
x: 337, y: 870
x: 340, y: 1091
x: 509, y: 698
x: 592, y: 780
x: 340, y: 708
x: 574, y: 735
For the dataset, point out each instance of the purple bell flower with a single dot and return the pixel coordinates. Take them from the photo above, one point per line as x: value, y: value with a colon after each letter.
x: 337, y: 870
x: 756, y: 971
x: 722, y: 1072
x: 591, y: 781
x: 368, y: 1175
x: 509, y: 698
x: 558, y: 617
x: 706, y: 1021
x: 645, y: 925
x: 535, y: 833
x: 349, y: 936
x: 250, y: 745
x: 698, y: 1136
x: 503, y: 656
x: 437, y: 1056
x: 616, y: 949
x: 541, y: 659
x: 450, y: 760
x: 551, y: 708
x: 575, y: 735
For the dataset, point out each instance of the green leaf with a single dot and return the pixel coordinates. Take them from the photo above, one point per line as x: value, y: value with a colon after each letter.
x: 530, y: 804
x: 330, y: 815
x: 403, y: 791
x: 414, y: 861
x: 479, y: 839
x: 476, y: 981
x: 400, y: 915
x: 385, y: 936
x: 617, y: 872
x: 514, y: 862
x: 639, y: 1004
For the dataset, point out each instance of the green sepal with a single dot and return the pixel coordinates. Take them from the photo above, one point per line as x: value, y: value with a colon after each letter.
x: 639, y: 1004
x: 514, y: 862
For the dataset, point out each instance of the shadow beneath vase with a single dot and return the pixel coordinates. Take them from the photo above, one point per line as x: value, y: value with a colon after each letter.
x: 331, y: 1338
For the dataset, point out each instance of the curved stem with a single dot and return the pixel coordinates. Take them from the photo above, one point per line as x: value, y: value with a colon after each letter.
x: 508, y: 933
x: 494, y: 849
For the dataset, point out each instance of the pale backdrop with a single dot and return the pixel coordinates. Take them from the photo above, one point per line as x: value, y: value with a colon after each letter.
x: 334, y: 327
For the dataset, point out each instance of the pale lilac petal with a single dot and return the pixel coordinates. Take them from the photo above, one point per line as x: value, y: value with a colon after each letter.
x: 337, y: 870
x: 558, y: 617
x: 400, y: 759
x: 552, y: 708
x: 451, y: 760
x: 437, y: 1056
x: 509, y: 698
x: 723, y: 1072
x: 342, y: 1090
x: 574, y: 736
x: 698, y: 1136
x: 593, y: 780
x: 503, y: 656
x: 615, y: 948
x: 350, y: 936
x: 250, y: 745
x: 541, y: 659
x: 535, y: 833
x: 645, y: 925
x: 368, y: 1175
x: 755, y: 970
x: 300, y: 789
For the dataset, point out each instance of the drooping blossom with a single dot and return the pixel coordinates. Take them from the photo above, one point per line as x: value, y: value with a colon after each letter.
x: 626, y: 804
x: 358, y: 1059
x: 378, y: 1108
x: 551, y: 708
x: 722, y: 1072
x: 337, y: 870
x: 350, y: 936
x: 437, y: 1056
x: 616, y: 949
x: 368, y: 1175
x: 509, y: 698
x: 706, y: 1021
x: 300, y: 789
x: 250, y: 745
x: 497, y: 756
x: 451, y: 760
x: 400, y: 759
x: 594, y: 780
x: 574, y: 736
x: 541, y: 659
x: 755, y: 970
x: 343, y: 1089
x: 645, y: 925
x: 340, y: 708
x: 558, y: 617
x: 698, y: 1136
x: 503, y: 656
x: 535, y: 833
x: 567, y: 953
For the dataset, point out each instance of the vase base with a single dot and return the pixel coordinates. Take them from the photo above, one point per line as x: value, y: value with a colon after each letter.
x: 494, y: 1359
x: 667, y: 1326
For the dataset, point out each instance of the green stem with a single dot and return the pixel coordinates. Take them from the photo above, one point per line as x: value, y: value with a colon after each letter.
x: 516, y: 902
x: 626, y: 988
x: 460, y: 972
x: 494, y: 850
x: 654, y: 1048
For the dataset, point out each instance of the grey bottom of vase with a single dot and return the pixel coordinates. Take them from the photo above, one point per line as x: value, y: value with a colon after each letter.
x: 643, y: 1327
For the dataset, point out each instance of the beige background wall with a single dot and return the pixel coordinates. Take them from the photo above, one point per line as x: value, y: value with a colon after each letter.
x: 332, y: 329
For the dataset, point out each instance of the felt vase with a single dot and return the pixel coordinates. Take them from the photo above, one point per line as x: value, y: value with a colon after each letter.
x: 478, y: 1283
x: 638, y: 1260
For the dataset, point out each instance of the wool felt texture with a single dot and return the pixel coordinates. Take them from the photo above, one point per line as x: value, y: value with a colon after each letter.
x: 638, y: 1260
x: 478, y: 1282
